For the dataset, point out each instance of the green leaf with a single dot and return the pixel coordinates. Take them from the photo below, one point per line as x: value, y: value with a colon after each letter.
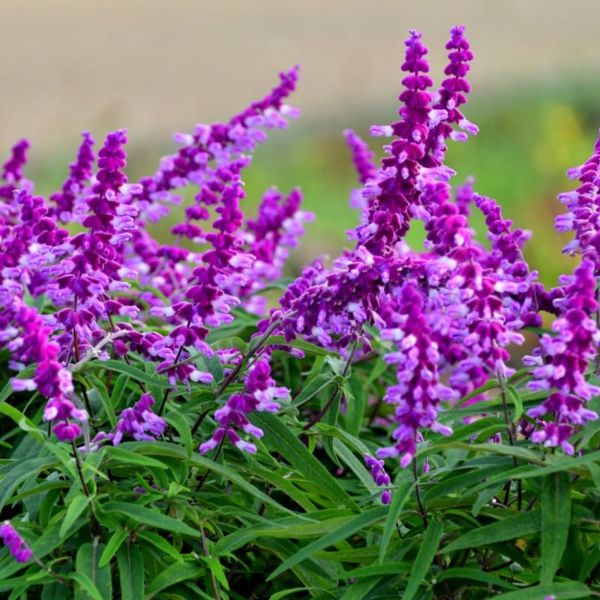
x: 7, y: 390
x: 118, y: 390
x: 356, y: 466
x: 286, y: 528
x: 313, y: 387
x: 104, y: 399
x: 114, y: 543
x: 519, y: 525
x: 280, y: 438
x: 239, y: 480
x: 345, y: 531
x: 399, y: 497
x: 22, y: 421
x: 131, y: 572
x: 87, y: 564
x: 356, y: 404
x: 517, y: 401
x: 176, y: 573
x: 86, y: 585
x: 128, y: 458
x: 76, y: 506
x: 561, y: 591
x: 462, y: 573
x: 394, y: 568
x: 180, y: 423
x: 15, y: 473
x: 151, y: 518
x: 556, y: 519
x: 286, y: 486
x: 122, y: 367
x: 425, y: 556
x: 160, y: 543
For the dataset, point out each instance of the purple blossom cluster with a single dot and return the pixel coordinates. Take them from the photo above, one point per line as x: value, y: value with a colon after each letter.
x: 380, y: 477
x: 444, y: 317
x: 139, y: 422
x: 16, y: 545
x: 561, y: 362
x: 261, y: 394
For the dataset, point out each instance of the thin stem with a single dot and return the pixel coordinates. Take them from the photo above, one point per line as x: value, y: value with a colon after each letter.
x: 510, y: 430
x: 86, y: 490
x: 251, y: 353
x: 335, y: 392
x: 213, y: 579
x: 418, y: 494
x: 198, y: 421
x: 125, y: 357
x: 94, y: 351
x: 86, y: 400
x: 50, y: 572
x: 217, y: 453
x: 168, y: 391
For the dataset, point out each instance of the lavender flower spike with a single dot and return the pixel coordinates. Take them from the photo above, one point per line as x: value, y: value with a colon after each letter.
x: 562, y: 360
x: 362, y: 156
x: 380, y: 477
x: 418, y: 392
x: 16, y: 545
x: 583, y: 216
x: 139, y: 422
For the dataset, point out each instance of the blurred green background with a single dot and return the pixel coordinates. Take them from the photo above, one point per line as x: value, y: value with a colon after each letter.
x: 158, y: 67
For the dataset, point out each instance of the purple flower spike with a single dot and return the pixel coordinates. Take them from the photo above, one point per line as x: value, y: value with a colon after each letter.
x: 261, y: 394
x: 30, y: 344
x: 380, y: 477
x: 450, y: 97
x: 139, y: 422
x: 562, y: 359
x: 362, y: 156
x: 418, y: 391
x: 16, y: 545
x: 583, y: 216
x: 12, y: 170
x: 80, y: 173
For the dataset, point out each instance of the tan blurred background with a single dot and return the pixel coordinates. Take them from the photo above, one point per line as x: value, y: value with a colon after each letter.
x: 161, y: 66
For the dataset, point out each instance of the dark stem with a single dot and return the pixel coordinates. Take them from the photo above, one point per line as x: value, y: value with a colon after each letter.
x: 86, y: 490
x: 125, y: 357
x: 219, y: 448
x: 510, y: 430
x: 93, y: 522
x: 418, y: 494
x: 213, y: 580
x: 251, y: 353
x: 86, y: 400
x: 168, y: 391
x: 335, y: 392
x: 198, y: 421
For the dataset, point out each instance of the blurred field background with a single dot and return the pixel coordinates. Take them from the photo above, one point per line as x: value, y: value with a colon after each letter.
x: 157, y: 67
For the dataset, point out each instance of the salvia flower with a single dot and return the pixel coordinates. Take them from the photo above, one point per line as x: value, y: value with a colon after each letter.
x: 261, y: 394
x: 12, y: 171
x: 139, y: 422
x: 80, y: 173
x: 380, y: 477
x: 16, y: 545
x: 417, y: 394
x: 31, y: 344
x: 583, y: 216
x: 562, y: 359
